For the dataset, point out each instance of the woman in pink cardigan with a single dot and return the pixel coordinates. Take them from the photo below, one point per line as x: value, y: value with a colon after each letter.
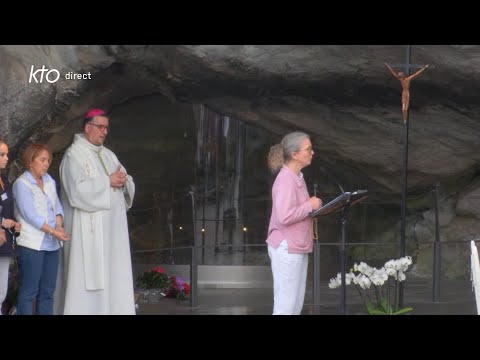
x: 290, y: 235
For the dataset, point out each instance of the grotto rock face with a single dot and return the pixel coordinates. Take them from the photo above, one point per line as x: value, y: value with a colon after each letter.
x: 342, y: 95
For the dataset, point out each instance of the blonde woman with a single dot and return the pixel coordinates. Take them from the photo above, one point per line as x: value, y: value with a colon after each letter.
x: 39, y: 211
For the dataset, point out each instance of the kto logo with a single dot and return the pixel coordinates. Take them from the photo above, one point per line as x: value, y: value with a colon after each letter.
x: 51, y: 75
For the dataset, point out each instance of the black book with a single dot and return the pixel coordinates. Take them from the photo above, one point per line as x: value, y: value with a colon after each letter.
x: 337, y: 204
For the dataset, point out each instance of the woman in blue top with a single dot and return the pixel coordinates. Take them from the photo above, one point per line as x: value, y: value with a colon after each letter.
x: 40, y: 213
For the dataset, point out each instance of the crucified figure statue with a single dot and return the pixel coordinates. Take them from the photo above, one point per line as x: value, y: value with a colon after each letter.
x: 405, y: 82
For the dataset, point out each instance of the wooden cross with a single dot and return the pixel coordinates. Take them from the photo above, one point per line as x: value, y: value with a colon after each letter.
x: 405, y: 82
x: 405, y: 78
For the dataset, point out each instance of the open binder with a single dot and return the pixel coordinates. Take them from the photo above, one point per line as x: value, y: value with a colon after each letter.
x: 340, y: 202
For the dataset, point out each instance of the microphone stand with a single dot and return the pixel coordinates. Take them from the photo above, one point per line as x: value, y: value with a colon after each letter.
x: 327, y: 174
x: 342, y: 250
x: 343, y: 257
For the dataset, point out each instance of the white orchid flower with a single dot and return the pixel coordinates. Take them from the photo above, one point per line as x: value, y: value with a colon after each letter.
x: 390, y: 264
x: 349, y: 277
x: 356, y: 279
x: 362, y: 267
x: 364, y: 282
x: 369, y: 270
x: 391, y: 271
x: 405, y: 262
x: 364, y: 275
x: 334, y: 283
x: 379, y: 277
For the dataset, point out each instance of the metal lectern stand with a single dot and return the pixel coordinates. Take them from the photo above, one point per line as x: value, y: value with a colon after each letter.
x: 340, y: 204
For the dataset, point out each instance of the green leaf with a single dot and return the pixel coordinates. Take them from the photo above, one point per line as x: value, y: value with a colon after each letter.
x: 369, y: 307
x: 403, y: 311
x: 385, y: 306
x: 377, y: 312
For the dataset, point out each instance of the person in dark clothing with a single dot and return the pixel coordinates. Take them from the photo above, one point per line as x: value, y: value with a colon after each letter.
x: 10, y: 227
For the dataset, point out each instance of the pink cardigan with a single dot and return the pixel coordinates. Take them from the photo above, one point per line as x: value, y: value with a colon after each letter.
x: 290, y: 209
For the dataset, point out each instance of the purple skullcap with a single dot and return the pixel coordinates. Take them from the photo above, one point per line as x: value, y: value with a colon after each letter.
x: 94, y: 112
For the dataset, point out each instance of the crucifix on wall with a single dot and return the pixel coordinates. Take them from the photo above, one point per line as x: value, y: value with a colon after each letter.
x: 405, y: 82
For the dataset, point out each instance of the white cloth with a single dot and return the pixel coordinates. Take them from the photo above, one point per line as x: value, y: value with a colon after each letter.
x: 95, y: 276
x: 475, y: 273
x: 289, y: 279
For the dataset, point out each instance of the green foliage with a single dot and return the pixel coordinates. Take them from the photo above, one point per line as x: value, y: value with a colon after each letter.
x: 155, y: 278
x: 385, y: 308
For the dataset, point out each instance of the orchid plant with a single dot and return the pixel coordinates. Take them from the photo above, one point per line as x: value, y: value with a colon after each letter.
x: 369, y: 283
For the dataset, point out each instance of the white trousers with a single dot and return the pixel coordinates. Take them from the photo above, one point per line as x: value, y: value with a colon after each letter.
x: 289, y: 280
x: 4, y: 267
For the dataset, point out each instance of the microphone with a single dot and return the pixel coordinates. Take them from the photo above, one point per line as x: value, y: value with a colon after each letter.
x: 327, y: 174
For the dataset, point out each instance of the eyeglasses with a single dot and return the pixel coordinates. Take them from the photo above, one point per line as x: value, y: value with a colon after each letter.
x: 307, y: 149
x: 101, y: 127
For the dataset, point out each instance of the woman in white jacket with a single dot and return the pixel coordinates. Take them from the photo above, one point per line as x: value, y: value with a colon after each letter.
x: 40, y: 213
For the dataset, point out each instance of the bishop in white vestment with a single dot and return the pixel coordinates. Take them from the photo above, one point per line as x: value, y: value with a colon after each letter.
x: 96, y: 272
